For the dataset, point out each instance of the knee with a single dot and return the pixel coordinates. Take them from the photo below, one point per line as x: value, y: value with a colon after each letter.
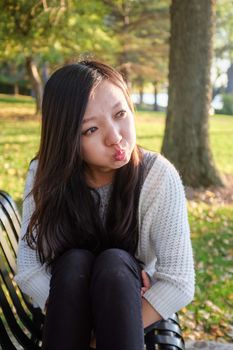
x: 73, y: 265
x: 114, y: 265
x: 113, y: 256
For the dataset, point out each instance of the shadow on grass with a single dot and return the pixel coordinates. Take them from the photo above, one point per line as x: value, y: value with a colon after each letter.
x: 12, y: 99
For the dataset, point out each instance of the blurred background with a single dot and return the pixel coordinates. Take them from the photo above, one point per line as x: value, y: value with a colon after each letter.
x: 177, y: 59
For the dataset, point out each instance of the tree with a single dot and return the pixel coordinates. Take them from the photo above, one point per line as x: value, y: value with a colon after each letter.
x: 50, y: 30
x: 142, y: 29
x: 186, y: 140
x: 12, y: 77
x: 24, y: 25
x: 224, y: 38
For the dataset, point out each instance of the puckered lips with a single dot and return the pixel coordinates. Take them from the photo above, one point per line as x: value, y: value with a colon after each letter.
x: 119, y: 154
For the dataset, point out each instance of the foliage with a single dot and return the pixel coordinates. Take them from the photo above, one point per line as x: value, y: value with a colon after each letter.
x: 51, y: 29
x: 224, y: 30
x: 227, y: 104
x: 123, y: 33
x: 142, y: 29
x: 223, y: 44
x: 25, y: 25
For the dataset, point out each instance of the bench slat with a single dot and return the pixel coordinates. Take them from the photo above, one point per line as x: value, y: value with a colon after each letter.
x: 7, y: 223
x: 12, y: 203
x: 10, y: 259
x: 21, y: 337
x: 5, y: 340
x: 23, y: 315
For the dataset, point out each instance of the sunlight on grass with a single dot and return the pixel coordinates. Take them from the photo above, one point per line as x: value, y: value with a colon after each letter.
x: 18, y: 145
x: 150, y: 135
x: 221, y: 141
x: 13, y: 106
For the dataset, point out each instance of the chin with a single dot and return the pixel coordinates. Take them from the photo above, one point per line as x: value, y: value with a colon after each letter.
x: 124, y: 162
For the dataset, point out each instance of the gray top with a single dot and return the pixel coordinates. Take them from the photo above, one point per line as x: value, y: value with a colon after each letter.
x: 105, y: 191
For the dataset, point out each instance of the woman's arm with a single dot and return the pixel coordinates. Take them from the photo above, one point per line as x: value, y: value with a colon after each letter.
x: 149, y: 314
x: 164, y: 219
x: 31, y: 276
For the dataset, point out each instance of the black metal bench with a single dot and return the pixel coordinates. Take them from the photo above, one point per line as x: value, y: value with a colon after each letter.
x: 21, y: 324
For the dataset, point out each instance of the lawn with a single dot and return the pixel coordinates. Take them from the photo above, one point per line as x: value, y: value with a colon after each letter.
x: 208, y: 316
x: 150, y: 129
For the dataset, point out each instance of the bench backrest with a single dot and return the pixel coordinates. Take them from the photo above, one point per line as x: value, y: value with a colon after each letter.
x: 20, y: 322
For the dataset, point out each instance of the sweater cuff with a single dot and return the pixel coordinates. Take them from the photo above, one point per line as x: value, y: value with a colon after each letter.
x: 166, y: 299
x: 38, y: 290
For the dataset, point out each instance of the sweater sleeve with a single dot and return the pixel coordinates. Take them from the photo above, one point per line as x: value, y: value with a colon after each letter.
x: 31, y: 275
x: 173, y: 276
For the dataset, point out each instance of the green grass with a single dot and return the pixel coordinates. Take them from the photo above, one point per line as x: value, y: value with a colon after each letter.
x: 150, y: 129
x: 208, y: 316
x: 15, y: 107
x: 11, y: 99
x: 19, y: 142
x: 221, y: 141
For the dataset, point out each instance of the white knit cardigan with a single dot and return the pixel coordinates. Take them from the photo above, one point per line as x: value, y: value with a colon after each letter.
x: 164, y: 243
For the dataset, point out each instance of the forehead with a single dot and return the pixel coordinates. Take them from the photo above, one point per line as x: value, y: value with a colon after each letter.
x: 106, y: 93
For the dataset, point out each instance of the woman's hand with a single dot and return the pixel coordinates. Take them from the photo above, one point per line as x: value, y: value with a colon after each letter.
x: 146, y: 282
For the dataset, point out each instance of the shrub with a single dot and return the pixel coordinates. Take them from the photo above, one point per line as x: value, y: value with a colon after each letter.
x: 227, y: 104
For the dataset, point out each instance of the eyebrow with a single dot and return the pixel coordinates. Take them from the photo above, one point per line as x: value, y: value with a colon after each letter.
x: 86, y: 120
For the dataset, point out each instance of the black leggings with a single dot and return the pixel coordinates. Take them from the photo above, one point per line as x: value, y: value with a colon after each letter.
x: 100, y: 293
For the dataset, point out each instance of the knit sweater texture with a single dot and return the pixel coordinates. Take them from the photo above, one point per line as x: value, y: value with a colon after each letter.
x: 164, y: 243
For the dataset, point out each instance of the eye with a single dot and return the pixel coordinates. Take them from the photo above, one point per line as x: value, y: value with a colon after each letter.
x: 121, y: 114
x: 89, y: 131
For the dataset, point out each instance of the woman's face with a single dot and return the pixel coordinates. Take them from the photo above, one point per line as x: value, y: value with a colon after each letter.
x: 108, y: 132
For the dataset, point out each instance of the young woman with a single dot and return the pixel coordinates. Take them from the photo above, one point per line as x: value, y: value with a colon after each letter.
x: 105, y: 246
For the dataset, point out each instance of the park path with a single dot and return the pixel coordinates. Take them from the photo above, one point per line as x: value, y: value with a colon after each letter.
x: 207, y: 345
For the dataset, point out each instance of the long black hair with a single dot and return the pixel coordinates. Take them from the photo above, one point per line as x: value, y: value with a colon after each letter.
x: 66, y: 214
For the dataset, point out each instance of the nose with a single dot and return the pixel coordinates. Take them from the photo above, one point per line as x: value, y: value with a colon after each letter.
x: 113, y: 137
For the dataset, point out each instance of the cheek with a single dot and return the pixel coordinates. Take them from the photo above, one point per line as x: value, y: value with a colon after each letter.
x: 89, y: 149
x: 131, y: 132
x: 85, y: 149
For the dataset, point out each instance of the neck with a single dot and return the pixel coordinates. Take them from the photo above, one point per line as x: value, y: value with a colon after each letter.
x: 98, y: 179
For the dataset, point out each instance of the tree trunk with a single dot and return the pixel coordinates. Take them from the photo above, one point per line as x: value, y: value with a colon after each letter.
x: 125, y: 70
x: 186, y: 139
x: 36, y: 82
x: 125, y: 65
x: 45, y: 72
x: 16, y: 89
x: 141, y: 91
x: 14, y: 73
x: 155, y: 107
